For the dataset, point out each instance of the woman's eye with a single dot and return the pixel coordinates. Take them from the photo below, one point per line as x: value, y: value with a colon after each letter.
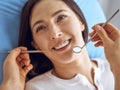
x: 40, y: 28
x: 61, y: 17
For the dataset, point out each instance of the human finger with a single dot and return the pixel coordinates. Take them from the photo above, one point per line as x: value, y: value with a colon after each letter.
x: 92, y: 33
x: 23, y: 57
x: 24, y: 62
x: 28, y: 68
x: 112, y: 31
x: 96, y: 38
x: 99, y: 43
x: 102, y: 34
x: 13, y: 55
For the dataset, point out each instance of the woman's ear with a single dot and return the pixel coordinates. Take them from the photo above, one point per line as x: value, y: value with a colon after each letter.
x: 35, y: 45
x: 82, y: 27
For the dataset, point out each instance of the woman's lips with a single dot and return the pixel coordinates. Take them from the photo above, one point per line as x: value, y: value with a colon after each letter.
x: 62, y: 46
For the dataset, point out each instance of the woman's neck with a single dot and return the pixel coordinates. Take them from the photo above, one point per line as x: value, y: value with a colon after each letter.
x: 82, y: 65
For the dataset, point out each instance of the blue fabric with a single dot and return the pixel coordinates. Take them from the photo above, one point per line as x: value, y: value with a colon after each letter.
x: 9, y: 26
x: 93, y: 14
x: 10, y: 17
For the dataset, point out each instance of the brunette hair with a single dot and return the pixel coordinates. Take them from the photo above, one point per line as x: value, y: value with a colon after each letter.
x: 40, y: 62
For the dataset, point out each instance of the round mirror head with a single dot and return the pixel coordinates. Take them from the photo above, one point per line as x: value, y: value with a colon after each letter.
x: 77, y: 49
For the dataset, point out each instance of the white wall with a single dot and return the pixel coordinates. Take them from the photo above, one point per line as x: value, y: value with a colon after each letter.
x: 109, y: 7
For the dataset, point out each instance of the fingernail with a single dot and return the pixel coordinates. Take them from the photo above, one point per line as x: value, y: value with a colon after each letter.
x: 17, y: 49
x: 97, y: 27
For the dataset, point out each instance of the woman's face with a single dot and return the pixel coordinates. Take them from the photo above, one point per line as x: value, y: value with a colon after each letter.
x: 56, y: 30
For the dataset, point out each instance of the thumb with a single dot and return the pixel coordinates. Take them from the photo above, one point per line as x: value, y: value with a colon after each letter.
x: 13, y: 54
x: 101, y: 33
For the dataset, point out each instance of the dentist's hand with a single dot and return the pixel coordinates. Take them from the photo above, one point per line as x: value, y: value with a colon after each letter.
x: 109, y: 38
x: 15, y: 68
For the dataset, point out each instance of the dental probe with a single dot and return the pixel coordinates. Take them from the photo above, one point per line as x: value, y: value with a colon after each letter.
x: 24, y: 51
x: 78, y: 49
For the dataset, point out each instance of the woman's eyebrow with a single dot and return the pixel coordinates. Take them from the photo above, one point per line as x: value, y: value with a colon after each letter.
x: 40, y: 21
x: 37, y: 22
x: 57, y: 12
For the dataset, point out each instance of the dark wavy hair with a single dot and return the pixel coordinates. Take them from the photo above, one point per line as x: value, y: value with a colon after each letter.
x: 41, y: 63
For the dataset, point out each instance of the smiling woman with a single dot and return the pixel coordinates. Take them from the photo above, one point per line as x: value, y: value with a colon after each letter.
x: 61, y: 22
x: 56, y: 32
x: 10, y: 18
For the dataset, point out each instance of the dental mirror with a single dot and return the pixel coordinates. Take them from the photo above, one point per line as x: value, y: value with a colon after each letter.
x: 78, y: 49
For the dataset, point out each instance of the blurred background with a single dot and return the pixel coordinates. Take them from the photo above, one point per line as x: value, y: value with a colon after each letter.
x: 109, y: 7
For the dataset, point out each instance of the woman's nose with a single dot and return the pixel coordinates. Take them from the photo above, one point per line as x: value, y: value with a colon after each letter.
x: 55, y: 33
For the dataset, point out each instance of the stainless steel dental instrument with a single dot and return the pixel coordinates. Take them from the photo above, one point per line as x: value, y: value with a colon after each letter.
x: 28, y: 51
x: 77, y: 49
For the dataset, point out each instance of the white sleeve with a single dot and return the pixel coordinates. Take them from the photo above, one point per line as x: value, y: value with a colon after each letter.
x: 107, y: 78
x: 32, y: 86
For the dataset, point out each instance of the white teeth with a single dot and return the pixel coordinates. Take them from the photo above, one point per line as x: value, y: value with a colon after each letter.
x: 62, y: 45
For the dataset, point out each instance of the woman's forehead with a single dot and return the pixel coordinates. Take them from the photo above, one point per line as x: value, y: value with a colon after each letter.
x: 49, y: 6
x: 46, y: 8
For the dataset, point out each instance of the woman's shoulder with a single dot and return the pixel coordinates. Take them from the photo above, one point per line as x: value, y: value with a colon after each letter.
x: 102, y: 63
x: 39, y: 82
x: 106, y: 75
x: 35, y: 82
